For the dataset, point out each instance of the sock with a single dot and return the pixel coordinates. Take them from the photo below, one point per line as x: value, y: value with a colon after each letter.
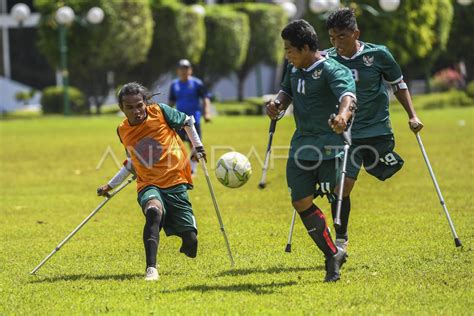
x: 341, y: 232
x: 315, y: 222
x: 151, y: 235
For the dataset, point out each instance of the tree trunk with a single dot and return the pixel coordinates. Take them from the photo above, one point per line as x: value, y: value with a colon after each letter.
x: 240, y: 87
x: 241, y: 76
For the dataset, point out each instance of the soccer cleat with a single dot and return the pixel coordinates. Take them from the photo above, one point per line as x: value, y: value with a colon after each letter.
x: 333, y: 265
x: 151, y: 274
x: 342, y: 243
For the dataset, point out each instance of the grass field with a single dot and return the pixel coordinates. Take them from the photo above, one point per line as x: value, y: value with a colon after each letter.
x: 402, y: 256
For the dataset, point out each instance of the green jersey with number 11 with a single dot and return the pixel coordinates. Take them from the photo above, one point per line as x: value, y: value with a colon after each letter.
x: 316, y: 92
x: 370, y: 66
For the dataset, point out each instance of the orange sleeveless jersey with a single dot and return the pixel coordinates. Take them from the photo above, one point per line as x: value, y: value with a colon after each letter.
x: 158, y: 154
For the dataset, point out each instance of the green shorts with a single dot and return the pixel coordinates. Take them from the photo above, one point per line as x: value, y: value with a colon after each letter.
x: 178, y: 215
x: 305, y: 177
x: 376, y: 155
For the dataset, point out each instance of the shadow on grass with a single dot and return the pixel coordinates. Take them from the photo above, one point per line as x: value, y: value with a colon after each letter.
x: 79, y: 277
x: 271, y: 270
x: 268, y: 288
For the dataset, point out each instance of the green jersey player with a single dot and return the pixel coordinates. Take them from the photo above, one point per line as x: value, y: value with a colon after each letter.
x: 372, y: 136
x: 318, y: 87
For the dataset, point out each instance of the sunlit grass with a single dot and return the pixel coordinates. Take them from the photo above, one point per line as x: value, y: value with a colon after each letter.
x: 402, y: 256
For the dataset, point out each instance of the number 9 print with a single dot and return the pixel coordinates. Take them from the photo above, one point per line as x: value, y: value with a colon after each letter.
x: 389, y: 159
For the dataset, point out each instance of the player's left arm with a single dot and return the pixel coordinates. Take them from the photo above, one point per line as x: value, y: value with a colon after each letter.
x: 207, y: 109
x: 178, y: 120
x: 393, y: 74
x: 340, y: 122
x: 206, y: 102
x: 400, y: 89
x: 198, y: 148
x: 342, y: 85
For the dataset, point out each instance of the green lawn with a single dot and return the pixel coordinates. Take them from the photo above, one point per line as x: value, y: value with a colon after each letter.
x: 402, y: 256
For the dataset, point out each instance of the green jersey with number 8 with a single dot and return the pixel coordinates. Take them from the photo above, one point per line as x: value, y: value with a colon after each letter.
x: 370, y: 66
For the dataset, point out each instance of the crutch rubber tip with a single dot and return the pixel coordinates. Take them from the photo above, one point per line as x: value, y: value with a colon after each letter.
x: 288, y: 248
x: 457, y: 242
x: 261, y: 185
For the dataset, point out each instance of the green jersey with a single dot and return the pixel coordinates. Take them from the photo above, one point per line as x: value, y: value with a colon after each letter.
x: 370, y: 66
x: 316, y: 93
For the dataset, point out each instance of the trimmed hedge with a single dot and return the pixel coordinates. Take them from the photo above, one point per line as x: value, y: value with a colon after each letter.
x: 439, y: 100
x: 227, y: 40
x: 52, y: 101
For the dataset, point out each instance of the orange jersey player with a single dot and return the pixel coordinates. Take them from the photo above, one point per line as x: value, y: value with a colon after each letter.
x: 158, y: 158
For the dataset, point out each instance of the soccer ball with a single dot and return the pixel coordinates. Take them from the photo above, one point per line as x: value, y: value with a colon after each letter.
x: 233, y: 169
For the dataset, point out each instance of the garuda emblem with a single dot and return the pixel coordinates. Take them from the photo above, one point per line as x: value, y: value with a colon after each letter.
x: 368, y: 60
x: 317, y: 73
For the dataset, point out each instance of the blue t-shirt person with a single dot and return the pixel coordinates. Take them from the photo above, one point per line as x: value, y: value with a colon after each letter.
x: 186, y: 93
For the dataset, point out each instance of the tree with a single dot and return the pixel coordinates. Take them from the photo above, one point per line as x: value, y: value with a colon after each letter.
x: 442, y: 27
x: 460, y: 43
x: 172, y: 40
x: 412, y: 32
x: 122, y: 40
x: 227, y: 40
x: 266, y: 46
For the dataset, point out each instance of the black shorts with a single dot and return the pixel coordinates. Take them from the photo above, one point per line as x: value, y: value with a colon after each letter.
x: 376, y: 155
x: 178, y: 215
x: 305, y: 177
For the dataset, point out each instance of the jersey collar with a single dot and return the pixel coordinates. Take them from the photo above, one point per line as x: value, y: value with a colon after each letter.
x: 310, y: 68
x: 361, y: 48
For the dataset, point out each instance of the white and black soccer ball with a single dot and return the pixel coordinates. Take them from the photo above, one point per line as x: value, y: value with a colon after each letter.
x: 233, y: 169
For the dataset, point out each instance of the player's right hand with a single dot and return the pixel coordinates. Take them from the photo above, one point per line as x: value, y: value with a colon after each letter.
x: 337, y: 123
x: 103, y: 190
x: 272, y: 109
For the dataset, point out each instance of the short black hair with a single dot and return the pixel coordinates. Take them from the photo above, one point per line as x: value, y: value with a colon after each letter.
x: 133, y: 88
x: 342, y: 19
x: 300, y: 33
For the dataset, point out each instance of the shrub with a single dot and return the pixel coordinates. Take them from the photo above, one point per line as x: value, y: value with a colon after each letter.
x: 250, y: 106
x: 25, y: 96
x: 452, y: 98
x: 470, y: 89
x: 232, y: 38
x: 52, y: 100
x: 447, y: 79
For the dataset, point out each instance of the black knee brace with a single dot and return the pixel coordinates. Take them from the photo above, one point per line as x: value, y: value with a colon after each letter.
x: 153, y: 215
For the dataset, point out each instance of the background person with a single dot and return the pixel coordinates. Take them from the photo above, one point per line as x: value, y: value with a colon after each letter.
x: 187, y: 92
